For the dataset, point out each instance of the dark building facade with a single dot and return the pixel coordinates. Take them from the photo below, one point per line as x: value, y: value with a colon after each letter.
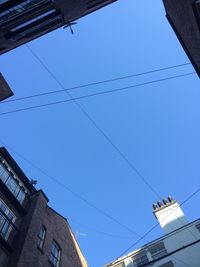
x: 24, y: 20
x: 31, y: 233
x: 184, y: 17
x: 5, y: 90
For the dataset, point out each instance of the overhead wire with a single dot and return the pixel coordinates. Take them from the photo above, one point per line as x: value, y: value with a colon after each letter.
x: 75, y: 194
x: 94, y: 123
x: 92, y: 205
x: 119, y: 89
x: 94, y: 94
x: 96, y: 83
x: 157, y: 224
x: 86, y: 114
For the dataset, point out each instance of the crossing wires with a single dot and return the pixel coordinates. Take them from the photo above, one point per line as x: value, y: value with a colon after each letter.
x: 84, y: 96
x: 109, y: 81
x: 100, y: 130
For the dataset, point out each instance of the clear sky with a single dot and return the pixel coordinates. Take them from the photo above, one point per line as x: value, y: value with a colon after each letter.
x: 156, y: 126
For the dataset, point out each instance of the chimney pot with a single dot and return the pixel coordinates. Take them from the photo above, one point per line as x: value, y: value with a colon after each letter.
x: 170, y: 199
x: 165, y: 201
x: 155, y: 207
x: 160, y: 204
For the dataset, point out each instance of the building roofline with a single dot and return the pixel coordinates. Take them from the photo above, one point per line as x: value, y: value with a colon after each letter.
x: 170, y: 253
x: 57, y: 213
x: 79, y: 251
x: 145, y: 246
x: 13, y: 164
x: 44, y: 195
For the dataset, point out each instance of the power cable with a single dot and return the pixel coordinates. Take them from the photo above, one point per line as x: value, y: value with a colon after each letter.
x: 97, y: 127
x: 121, y: 237
x: 188, y: 229
x: 95, y: 94
x: 95, y: 124
x: 75, y: 194
x: 156, y: 225
x: 96, y: 83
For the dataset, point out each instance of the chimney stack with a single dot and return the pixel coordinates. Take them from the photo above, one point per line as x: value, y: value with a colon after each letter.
x: 169, y: 214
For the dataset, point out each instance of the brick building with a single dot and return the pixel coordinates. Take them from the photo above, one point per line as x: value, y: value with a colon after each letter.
x: 31, y: 232
x: 24, y: 20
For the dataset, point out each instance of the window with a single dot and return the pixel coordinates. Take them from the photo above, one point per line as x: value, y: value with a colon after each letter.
x: 158, y: 250
x: 26, y: 23
x: 21, y: 195
x: 41, y: 237
x: 167, y: 264
x: 140, y: 258
x: 4, y: 174
x: 44, y: 22
x: 12, y: 183
x: 17, y: 10
x: 55, y: 254
x: 198, y: 226
x: 7, y: 218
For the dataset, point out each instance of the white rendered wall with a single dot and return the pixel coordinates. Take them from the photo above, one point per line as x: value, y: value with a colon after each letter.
x: 187, y: 257
x: 171, y: 217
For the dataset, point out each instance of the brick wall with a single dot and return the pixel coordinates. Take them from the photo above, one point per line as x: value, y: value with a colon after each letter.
x: 57, y: 229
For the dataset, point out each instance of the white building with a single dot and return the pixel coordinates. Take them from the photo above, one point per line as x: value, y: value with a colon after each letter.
x: 179, y: 247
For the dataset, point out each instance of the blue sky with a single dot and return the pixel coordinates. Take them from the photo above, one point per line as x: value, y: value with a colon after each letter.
x: 157, y: 126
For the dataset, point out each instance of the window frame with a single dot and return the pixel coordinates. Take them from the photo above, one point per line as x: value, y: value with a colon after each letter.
x: 41, y: 237
x: 10, y: 180
x: 7, y: 222
x: 54, y: 260
x: 157, y: 253
x: 138, y: 260
x: 198, y: 226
